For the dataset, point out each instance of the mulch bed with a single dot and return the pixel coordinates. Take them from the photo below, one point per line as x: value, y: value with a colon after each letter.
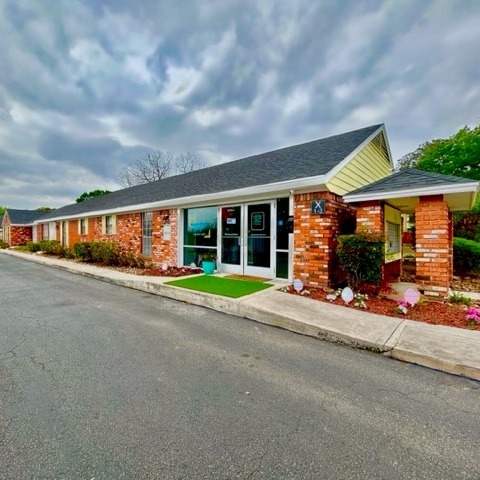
x: 171, y: 271
x: 435, y: 313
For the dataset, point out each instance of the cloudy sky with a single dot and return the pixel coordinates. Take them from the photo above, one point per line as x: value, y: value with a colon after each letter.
x: 89, y: 86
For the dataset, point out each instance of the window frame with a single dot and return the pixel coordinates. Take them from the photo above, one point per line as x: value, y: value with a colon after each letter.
x: 147, y: 233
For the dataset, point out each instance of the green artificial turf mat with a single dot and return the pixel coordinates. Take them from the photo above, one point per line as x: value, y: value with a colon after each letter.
x: 220, y: 286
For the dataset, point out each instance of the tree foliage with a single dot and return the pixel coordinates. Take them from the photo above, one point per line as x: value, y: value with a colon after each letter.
x: 158, y: 165
x: 458, y: 155
x: 94, y: 193
x: 44, y: 209
x: 2, y: 210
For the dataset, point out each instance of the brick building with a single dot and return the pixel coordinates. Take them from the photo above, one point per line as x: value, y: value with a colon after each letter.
x: 276, y: 214
x: 17, y: 226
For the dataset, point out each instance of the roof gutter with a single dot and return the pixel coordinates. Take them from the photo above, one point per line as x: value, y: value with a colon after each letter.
x: 471, y: 187
x: 229, y: 196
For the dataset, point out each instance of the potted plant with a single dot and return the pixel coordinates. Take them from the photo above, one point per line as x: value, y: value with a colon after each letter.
x: 209, y: 262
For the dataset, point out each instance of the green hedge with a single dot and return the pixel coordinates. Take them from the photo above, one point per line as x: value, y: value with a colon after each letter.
x: 361, y: 256
x: 107, y: 253
x: 52, y: 247
x: 466, y: 255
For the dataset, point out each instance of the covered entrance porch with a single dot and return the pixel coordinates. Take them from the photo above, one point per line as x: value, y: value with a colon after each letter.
x: 431, y: 198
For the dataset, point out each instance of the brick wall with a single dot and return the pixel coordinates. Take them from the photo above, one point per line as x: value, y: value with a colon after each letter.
x: 20, y: 236
x: 434, y: 250
x: 165, y: 250
x: 370, y: 216
x: 16, y: 235
x: 128, y: 234
x: 315, y: 237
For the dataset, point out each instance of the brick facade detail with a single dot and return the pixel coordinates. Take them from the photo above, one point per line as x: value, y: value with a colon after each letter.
x: 315, y: 237
x: 19, y: 236
x: 128, y: 234
x: 434, y: 246
x: 370, y: 216
x: 15, y: 235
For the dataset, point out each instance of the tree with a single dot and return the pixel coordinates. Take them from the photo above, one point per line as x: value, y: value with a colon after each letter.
x: 44, y: 209
x: 94, y: 193
x: 2, y: 210
x: 157, y: 165
x: 458, y: 155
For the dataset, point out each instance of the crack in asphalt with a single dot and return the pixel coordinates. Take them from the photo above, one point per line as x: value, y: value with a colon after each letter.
x: 12, y: 352
x: 32, y: 358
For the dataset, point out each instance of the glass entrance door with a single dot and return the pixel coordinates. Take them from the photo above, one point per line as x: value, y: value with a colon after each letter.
x: 246, y: 239
x: 259, y: 240
x: 231, y: 251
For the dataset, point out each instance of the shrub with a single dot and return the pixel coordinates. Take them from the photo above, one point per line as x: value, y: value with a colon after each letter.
x: 3, y: 244
x: 51, y: 247
x: 32, y: 246
x: 361, y: 256
x: 83, y: 251
x: 107, y: 253
x: 466, y: 255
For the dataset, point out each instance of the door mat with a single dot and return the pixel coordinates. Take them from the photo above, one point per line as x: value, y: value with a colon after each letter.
x: 226, y: 287
x: 247, y: 277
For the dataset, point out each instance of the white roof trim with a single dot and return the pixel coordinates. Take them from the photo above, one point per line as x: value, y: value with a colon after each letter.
x: 414, y: 192
x: 230, y: 195
x: 348, y: 158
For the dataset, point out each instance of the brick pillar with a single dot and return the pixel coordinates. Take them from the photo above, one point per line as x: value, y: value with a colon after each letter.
x: 433, y: 253
x: 315, y: 237
x: 371, y: 216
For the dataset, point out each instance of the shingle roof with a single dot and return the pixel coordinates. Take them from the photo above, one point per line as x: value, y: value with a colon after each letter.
x: 290, y: 163
x: 1, y: 220
x: 23, y: 217
x: 409, y: 179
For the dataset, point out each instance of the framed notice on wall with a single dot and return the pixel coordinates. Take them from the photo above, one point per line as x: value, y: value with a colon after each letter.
x: 167, y: 231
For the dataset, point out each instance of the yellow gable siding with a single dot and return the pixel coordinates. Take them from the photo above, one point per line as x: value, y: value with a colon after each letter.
x: 369, y: 165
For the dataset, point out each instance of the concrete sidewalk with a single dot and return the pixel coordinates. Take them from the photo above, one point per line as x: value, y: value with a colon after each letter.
x: 448, y: 349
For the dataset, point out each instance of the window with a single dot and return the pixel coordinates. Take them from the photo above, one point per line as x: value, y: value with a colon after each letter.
x: 199, y: 233
x: 108, y: 224
x: 393, y: 238
x: 147, y: 234
x: 83, y: 226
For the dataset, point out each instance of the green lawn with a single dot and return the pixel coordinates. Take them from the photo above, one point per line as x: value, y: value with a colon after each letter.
x: 226, y: 287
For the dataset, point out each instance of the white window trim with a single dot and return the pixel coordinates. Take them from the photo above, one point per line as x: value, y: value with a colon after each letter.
x: 114, y: 225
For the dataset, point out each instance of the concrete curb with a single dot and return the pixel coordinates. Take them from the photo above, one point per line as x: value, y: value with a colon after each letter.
x: 448, y: 349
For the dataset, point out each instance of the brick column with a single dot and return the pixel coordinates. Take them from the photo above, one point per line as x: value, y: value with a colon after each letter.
x: 433, y: 253
x: 315, y: 237
x: 371, y: 216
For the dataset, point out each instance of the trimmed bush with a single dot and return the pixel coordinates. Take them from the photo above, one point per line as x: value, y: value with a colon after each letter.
x: 83, y: 251
x: 3, y: 244
x: 361, y: 256
x: 50, y: 247
x: 108, y: 254
x: 466, y: 255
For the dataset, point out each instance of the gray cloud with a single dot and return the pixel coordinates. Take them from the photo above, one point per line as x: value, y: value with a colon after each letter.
x: 88, y: 86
